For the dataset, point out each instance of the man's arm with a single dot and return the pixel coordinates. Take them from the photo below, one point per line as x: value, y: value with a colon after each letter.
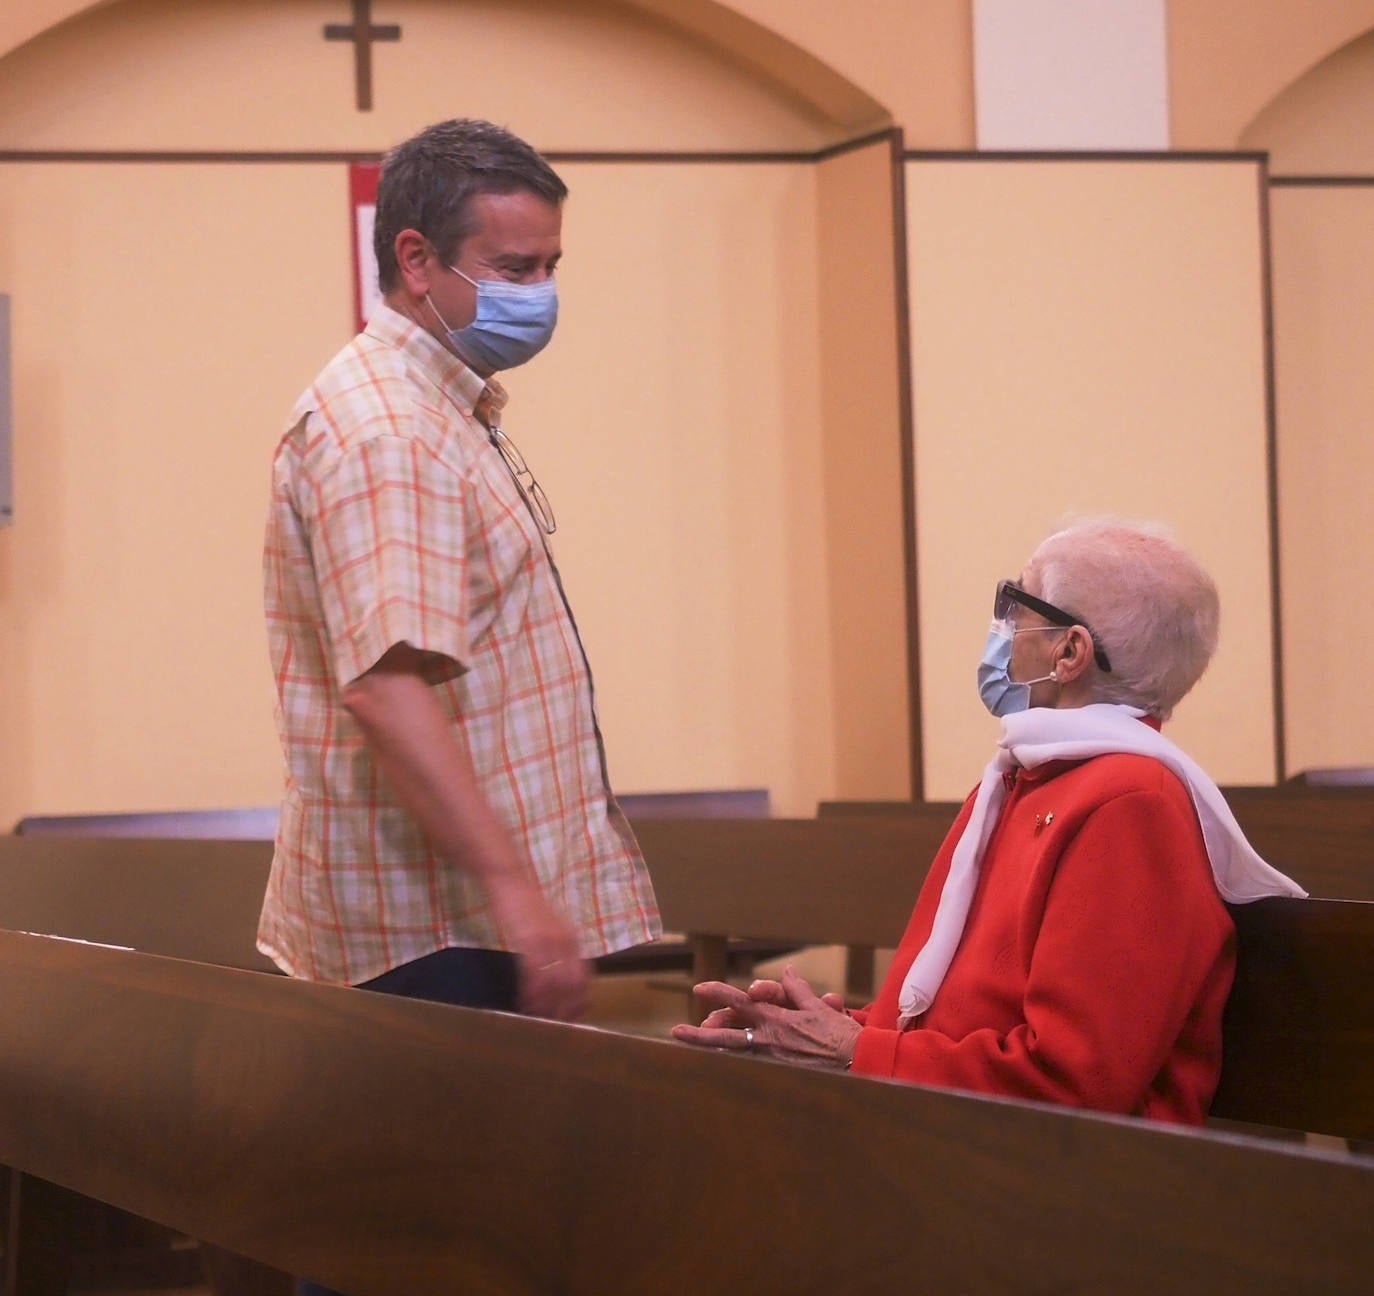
x: 430, y: 775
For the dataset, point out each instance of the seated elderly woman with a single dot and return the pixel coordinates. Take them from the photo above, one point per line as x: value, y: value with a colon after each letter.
x: 1070, y: 943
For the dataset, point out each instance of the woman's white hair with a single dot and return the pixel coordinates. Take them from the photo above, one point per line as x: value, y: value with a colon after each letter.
x: 1151, y: 607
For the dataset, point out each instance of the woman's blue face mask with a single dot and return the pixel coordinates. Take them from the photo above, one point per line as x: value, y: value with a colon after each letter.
x: 1000, y: 693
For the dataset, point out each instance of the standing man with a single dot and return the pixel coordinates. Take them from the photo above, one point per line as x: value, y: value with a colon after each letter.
x: 447, y: 827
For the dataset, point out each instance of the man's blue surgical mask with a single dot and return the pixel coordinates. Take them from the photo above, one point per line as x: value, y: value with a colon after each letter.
x: 514, y: 322
x: 1001, y: 695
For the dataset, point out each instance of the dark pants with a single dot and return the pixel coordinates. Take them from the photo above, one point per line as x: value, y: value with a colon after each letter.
x: 470, y: 978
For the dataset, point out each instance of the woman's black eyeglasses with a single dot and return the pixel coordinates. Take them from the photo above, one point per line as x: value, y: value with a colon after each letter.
x: 1009, y: 593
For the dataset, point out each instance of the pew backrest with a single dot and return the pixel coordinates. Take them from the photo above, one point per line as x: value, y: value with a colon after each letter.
x: 248, y: 823
x: 259, y: 823
x: 1322, y: 837
x: 1298, y: 1035
x: 187, y: 899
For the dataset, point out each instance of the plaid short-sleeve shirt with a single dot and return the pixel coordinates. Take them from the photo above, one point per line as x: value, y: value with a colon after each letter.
x: 394, y: 519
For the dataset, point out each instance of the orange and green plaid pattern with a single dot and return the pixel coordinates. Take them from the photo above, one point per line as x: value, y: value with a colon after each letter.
x: 395, y: 520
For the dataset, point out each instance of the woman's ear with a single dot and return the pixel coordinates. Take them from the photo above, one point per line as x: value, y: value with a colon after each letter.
x: 1074, y: 655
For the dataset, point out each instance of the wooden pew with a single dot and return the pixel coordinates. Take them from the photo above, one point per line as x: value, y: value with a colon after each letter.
x: 200, y: 898
x: 1299, y: 1030
x: 1323, y: 837
x: 825, y: 882
x: 259, y: 824
x: 1298, y: 1034
x: 197, y: 899
x: 394, y: 1148
x: 186, y: 899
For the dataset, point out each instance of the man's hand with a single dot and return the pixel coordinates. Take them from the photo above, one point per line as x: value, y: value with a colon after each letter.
x: 553, y: 976
x: 432, y: 777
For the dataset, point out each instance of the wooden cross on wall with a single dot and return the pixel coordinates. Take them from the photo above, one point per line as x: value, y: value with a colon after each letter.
x: 362, y: 33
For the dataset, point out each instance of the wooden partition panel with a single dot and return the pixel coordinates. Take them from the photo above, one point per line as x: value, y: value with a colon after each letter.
x: 382, y: 1146
x: 863, y: 403
x: 1300, y: 1030
x: 1324, y: 335
x: 1088, y: 337
x: 676, y: 424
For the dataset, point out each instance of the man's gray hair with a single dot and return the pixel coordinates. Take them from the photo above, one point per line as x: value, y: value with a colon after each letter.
x: 1153, y: 609
x: 428, y: 184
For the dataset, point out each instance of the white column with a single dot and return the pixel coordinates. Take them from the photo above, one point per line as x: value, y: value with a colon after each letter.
x: 1071, y: 74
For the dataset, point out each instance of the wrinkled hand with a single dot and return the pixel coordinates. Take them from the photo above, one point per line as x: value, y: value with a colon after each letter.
x: 553, y: 976
x: 773, y: 993
x: 786, y: 1018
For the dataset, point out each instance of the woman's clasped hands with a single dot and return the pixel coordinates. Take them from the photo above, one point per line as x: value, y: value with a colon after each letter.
x: 783, y: 1019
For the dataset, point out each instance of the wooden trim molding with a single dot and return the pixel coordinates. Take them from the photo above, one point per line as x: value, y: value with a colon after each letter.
x: 906, y: 406
x: 297, y: 157
x: 1272, y: 470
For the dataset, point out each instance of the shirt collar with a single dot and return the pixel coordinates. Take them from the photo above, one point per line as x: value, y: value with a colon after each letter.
x: 479, y: 397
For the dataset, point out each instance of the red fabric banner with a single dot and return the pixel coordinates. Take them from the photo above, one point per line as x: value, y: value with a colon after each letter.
x: 362, y: 191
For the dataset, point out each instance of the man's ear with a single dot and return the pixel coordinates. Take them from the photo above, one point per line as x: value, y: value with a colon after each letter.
x: 1074, y: 655
x: 414, y: 261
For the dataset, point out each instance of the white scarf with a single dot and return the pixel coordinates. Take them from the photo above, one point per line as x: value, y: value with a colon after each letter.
x: 1032, y: 737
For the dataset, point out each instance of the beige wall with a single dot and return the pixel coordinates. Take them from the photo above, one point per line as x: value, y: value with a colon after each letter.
x: 1087, y: 337
x: 871, y: 61
x: 915, y: 57
x: 1229, y: 58
x: 856, y: 65
x: 687, y: 472
x: 524, y: 63
x: 165, y: 317
x: 155, y: 350
x: 1323, y: 124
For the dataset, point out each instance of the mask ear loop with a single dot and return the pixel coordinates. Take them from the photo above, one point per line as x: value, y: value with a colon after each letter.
x: 429, y: 297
